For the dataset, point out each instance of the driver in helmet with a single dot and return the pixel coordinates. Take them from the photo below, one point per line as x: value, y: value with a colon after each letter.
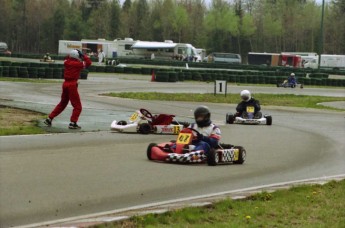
x: 292, y: 79
x: 248, y: 100
x: 209, y: 133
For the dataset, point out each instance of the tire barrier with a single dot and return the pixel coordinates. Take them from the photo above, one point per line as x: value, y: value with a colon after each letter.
x: 265, y: 76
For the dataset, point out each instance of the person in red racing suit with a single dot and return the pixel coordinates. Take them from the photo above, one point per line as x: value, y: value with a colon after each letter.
x: 74, y: 64
x: 248, y: 100
x: 209, y: 135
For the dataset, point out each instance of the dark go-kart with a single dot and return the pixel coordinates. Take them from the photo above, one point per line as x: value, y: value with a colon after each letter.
x: 182, y: 151
x: 286, y: 84
x: 248, y: 117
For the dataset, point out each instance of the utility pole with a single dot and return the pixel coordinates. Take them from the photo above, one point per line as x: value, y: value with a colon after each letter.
x: 321, y: 33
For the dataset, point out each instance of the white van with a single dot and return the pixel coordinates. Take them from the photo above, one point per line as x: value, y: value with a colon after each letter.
x: 218, y: 57
x: 327, y: 61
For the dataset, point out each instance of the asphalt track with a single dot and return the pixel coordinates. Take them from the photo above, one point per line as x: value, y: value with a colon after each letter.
x: 54, y: 176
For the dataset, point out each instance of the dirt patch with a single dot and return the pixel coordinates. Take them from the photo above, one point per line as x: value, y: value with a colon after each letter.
x: 10, y: 117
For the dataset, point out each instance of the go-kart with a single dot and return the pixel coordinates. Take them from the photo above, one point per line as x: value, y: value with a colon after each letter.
x: 182, y: 151
x: 286, y: 84
x: 47, y: 60
x: 248, y: 117
x: 142, y: 121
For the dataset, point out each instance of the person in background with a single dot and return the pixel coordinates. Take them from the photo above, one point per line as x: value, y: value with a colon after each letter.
x: 101, y: 56
x: 47, y: 57
x: 74, y: 64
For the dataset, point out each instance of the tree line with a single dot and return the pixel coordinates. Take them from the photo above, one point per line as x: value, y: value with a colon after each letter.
x: 237, y: 26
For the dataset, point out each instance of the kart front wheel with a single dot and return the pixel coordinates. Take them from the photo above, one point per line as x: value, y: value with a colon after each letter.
x: 241, y: 155
x: 268, y: 120
x: 149, y: 150
x: 229, y: 118
x: 212, y: 158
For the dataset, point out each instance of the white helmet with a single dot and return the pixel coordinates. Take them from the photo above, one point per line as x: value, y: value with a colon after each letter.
x: 74, y: 54
x: 245, y: 95
x: 292, y: 75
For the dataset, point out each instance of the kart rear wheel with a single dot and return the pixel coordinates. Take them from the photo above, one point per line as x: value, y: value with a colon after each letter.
x: 149, y: 150
x: 212, y: 158
x: 268, y: 120
x: 229, y: 118
x: 145, y: 128
x: 241, y: 156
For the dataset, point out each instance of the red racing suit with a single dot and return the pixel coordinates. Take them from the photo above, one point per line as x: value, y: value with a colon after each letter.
x: 72, y: 70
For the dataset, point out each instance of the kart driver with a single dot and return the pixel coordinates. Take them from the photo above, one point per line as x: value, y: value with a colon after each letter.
x: 292, y: 80
x: 209, y: 133
x: 248, y: 100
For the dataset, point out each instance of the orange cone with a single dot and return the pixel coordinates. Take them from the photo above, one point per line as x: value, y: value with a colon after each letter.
x: 153, y: 75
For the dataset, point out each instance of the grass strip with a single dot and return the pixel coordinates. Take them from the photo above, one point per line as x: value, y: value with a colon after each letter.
x: 289, y: 100
x: 33, y: 80
x: 302, y: 206
x: 15, y: 121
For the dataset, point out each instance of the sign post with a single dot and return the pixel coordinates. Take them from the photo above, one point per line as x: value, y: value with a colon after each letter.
x: 220, y: 87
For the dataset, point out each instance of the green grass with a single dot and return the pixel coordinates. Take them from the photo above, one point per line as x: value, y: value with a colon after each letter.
x: 290, y: 100
x: 22, y: 130
x: 15, y: 121
x: 32, y: 80
x: 303, y: 206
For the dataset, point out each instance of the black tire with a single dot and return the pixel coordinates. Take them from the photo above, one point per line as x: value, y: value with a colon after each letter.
x: 145, y: 128
x: 230, y: 118
x: 212, y: 158
x: 241, y: 156
x: 268, y: 120
x: 149, y: 150
x: 122, y: 122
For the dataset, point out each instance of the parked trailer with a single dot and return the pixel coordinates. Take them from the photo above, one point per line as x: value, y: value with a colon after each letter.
x: 335, y: 62
x: 165, y: 50
x: 133, y: 49
x: 66, y: 46
x: 306, y: 56
x: 274, y: 59
x: 269, y: 59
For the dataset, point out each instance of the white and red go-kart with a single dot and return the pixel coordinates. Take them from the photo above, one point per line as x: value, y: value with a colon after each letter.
x: 142, y: 121
x: 248, y: 118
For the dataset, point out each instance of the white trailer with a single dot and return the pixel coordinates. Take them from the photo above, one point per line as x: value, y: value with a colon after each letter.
x: 133, y: 49
x: 66, y: 46
x: 165, y: 50
x: 327, y: 61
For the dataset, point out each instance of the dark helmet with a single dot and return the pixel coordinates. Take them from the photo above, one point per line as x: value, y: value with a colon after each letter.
x: 202, y: 116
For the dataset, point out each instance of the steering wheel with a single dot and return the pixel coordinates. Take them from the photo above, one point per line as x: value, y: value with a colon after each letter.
x: 195, y: 131
x: 146, y: 113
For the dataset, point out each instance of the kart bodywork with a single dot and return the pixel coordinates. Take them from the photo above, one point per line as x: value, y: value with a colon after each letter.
x: 142, y: 121
x: 182, y: 151
x: 248, y: 118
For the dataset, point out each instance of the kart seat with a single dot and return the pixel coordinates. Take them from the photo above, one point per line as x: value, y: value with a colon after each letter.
x: 162, y: 119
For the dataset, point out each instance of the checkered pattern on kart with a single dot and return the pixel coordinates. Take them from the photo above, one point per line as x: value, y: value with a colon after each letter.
x: 192, y: 157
